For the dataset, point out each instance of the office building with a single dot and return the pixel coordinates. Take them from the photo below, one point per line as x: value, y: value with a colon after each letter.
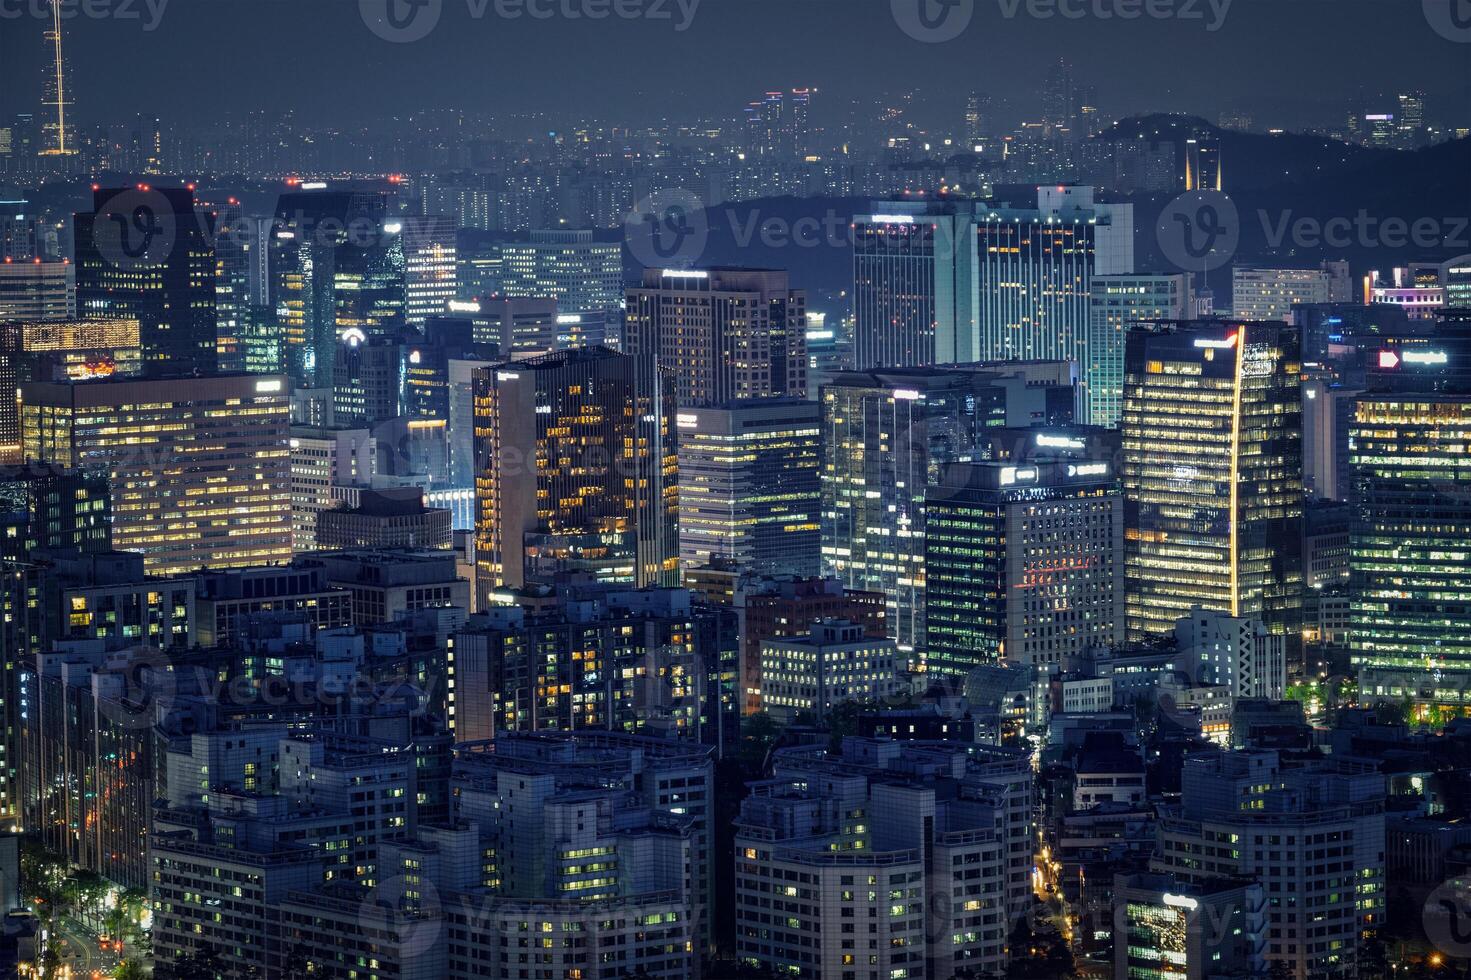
x: 1214, y: 929
x: 1270, y: 294
x: 169, y: 288
x: 723, y: 334
x: 367, y: 379
x: 778, y: 608
x: 1327, y: 417
x: 242, y: 287
x: 1035, y: 272
x: 1023, y: 562
x: 649, y: 662
x: 322, y: 461
x: 885, y: 436
x: 1119, y: 303
x: 513, y: 326
x: 87, y: 763
x: 1411, y: 516
x: 549, y: 805
x: 388, y: 518
x: 387, y: 586
x: 60, y: 350
x: 48, y: 506
x: 873, y: 833
x: 914, y: 285
x: 606, y: 498
x: 199, y: 467
x: 37, y: 290
x: 324, y: 281
x: 1456, y: 278
x: 582, y: 275
x: 1236, y: 653
x: 1310, y: 830
x: 750, y: 486
x: 804, y: 678
x: 227, y: 602
x: 1212, y: 471
x: 431, y: 266
x: 1416, y: 289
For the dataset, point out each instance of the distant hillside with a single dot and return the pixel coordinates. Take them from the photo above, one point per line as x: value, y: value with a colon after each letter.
x: 1252, y: 160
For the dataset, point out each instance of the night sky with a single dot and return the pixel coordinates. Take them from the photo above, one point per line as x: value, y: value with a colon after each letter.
x: 1292, y: 63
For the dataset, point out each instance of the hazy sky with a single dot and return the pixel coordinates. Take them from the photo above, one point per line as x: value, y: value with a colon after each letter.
x: 1287, y: 60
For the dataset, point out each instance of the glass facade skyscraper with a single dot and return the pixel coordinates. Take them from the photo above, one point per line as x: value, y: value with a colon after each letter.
x: 1212, y: 472
x: 1022, y: 560
x: 750, y: 488
x: 1118, y: 303
x: 1410, y: 537
x: 169, y: 286
x: 886, y: 435
x: 575, y: 471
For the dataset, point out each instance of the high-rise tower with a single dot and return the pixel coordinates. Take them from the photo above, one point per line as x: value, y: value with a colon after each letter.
x: 60, y: 136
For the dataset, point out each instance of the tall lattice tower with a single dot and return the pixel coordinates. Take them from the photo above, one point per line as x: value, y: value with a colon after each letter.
x: 60, y: 137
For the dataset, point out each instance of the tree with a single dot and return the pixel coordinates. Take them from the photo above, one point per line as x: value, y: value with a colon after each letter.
x: 130, y: 969
x: 758, y: 733
x: 201, y: 963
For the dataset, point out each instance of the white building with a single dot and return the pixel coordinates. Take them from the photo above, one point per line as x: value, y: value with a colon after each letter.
x: 1237, y: 653
x: 890, y: 859
x: 836, y: 663
x: 1312, y: 833
x: 1120, y: 302
x: 321, y: 459
x: 1270, y: 294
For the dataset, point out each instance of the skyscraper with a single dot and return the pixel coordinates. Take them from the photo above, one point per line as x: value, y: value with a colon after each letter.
x: 242, y: 288
x: 430, y: 266
x: 58, y: 350
x: 147, y: 253
x: 1024, y: 559
x: 59, y: 128
x: 1035, y: 272
x: 723, y: 334
x: 1270, y: 294
x: 977, y: 120
x: 914, y: 285
x: 1212, y: 470
x: 198, y: 466
x: 750, y: 489
x: 312, y: 239
x: 37, y: 290
x: 1118, y: 303
x: 575, y: 470
x: 1411, y: 523
x: 886, y: 435
x: 582, y: 275
x: 799, y: 125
